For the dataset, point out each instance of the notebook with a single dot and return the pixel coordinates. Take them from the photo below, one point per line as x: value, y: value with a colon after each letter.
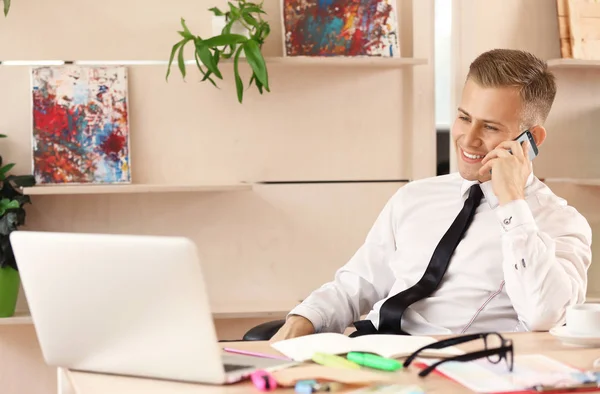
x: 390, y: 346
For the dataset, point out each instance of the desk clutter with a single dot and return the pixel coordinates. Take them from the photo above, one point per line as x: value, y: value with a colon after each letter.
x: 354, y: 366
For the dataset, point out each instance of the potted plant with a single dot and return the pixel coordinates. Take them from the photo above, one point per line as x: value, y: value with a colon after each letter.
x: 243, y: 34
x: 12, y: 215
x: 6, y: 6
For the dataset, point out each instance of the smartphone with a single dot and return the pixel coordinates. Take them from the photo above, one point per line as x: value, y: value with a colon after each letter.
x: 526, y: 136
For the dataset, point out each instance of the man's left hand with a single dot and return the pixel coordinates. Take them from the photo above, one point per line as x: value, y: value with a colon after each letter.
x: 509, y: 171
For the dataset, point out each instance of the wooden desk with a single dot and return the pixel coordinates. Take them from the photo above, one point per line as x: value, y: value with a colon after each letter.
x: 524, y: 343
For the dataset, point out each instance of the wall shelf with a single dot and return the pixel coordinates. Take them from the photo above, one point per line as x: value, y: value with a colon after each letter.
x: 574, y: 181
x: 132, y: 188
x: 295, y: 61
x: 573, y: 63
x: 218, y: 312
x: 20, y: 318
x: 592, y: 299
x: 357, y: 62
x: 239, y: 311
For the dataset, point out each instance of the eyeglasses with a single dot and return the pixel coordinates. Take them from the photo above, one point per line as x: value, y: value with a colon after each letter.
x: 496, y: 349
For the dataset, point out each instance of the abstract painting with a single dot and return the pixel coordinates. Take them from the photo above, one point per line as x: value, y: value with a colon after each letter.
x: 340, y: 28
x: 80, y: 125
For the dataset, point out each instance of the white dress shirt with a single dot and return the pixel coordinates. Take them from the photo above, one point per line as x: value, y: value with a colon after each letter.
x: 517, y: 268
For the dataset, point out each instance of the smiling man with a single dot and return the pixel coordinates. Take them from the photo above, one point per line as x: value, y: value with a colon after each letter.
x: 489, y: 248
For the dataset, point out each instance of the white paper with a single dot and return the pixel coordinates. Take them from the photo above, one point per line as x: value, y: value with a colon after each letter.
x: 392, y: 346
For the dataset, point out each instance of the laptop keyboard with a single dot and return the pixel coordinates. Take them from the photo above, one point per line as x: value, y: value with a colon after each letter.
x: 235, y: 367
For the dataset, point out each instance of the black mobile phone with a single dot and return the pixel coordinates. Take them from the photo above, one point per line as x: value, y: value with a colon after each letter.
x: 526, y: 136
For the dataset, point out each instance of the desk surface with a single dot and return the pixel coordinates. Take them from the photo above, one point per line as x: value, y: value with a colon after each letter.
x: 524, y: 343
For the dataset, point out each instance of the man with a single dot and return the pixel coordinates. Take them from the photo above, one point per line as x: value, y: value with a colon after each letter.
x: 520, y: 255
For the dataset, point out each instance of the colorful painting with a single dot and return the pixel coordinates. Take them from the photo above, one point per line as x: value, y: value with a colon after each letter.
x: 340, y: 28
x: 80, y: 125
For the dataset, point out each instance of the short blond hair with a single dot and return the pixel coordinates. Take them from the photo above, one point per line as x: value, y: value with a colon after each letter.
x: 520, y: 69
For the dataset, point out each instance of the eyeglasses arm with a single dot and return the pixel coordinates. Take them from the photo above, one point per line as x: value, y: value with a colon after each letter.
x: 442, y: 344
x: 467, y: 357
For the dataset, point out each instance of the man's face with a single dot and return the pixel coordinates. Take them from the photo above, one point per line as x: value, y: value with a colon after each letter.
x: 485, y: 118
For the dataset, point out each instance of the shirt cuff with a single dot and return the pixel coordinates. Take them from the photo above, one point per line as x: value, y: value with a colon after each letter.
x: 311, y: 314
x: 515, y: 214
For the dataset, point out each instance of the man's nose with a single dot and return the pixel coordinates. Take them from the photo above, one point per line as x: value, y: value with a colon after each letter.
x: 471, y: 136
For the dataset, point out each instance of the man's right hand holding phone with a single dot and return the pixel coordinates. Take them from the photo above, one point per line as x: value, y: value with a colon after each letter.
x: 510, y: 170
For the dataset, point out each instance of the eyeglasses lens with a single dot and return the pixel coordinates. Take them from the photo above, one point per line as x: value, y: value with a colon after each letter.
x: 493, y: 341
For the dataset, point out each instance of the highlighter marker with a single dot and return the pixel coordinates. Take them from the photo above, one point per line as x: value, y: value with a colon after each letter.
x: 331, y: 360
x: 373, y: 361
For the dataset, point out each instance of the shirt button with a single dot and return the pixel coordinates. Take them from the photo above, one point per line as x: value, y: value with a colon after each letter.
x: 516, y: 267
x: 523, y: 262
x: 507, y: 221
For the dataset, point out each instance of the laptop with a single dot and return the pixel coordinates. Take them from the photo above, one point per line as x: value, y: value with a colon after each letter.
x: 126, y: 305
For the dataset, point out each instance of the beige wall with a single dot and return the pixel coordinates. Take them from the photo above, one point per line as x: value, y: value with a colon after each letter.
x: 319, y: 123
x: 570, y: 148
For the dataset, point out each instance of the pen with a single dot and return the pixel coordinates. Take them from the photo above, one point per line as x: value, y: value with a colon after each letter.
x: 331, y: 360
x: 374, y: 361
x: 255, y: 354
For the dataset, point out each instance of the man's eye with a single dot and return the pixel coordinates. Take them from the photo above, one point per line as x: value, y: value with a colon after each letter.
x: 487, y: 126
x: 464, y: 118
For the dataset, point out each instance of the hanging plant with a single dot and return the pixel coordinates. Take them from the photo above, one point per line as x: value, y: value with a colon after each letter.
x: 12, y: 212
x: 244, y: 32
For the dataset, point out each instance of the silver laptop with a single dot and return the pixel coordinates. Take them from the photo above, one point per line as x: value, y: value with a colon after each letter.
x: 126, y: 305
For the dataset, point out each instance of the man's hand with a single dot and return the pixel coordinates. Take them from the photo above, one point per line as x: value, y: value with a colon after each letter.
x: 295, y: 326
x: 509, y: 171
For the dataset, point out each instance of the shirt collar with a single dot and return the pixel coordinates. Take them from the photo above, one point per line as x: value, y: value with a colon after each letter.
x: 488, y: 191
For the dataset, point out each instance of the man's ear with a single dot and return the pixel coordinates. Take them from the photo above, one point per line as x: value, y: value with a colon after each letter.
x: 539, y: 134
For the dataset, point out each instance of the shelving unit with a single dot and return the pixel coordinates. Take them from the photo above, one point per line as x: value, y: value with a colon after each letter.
x: 574, y: 181
x: 279, y: 310
x: 573, y: 63
x: 133, y: 188
x: 240, y: 311
x: 593, y: 299
x: 20, y: 318
x: 296, y: 61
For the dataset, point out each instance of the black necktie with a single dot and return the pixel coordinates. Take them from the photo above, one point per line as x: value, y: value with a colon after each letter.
x: 392, y: 309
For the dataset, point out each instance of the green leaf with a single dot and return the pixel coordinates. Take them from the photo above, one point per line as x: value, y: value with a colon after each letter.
x: 6, y: 7
x: 180, y: 59
x: 266, y: 29
x: 250, y: 19
x: 209, y: 79
x: 207, y: 59
x: 199, y: 63
x: 3, y: 136
x: 6, y: 169
x: 6, y: 204
x: 239, y: 85
x: 206, y: 74
x: 259, y: 86
x: 235, y: 12
x: 224, y: 39
x: 257, y: 62
x: 254, y: 9
x: 216, y: 11
x: 186, y: 31
x: 173, y: 52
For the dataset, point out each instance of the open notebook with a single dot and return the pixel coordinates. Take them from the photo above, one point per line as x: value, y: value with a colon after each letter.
x: 391, y: 346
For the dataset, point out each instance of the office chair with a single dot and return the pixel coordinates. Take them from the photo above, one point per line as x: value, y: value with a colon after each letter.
x: 264, y: 331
